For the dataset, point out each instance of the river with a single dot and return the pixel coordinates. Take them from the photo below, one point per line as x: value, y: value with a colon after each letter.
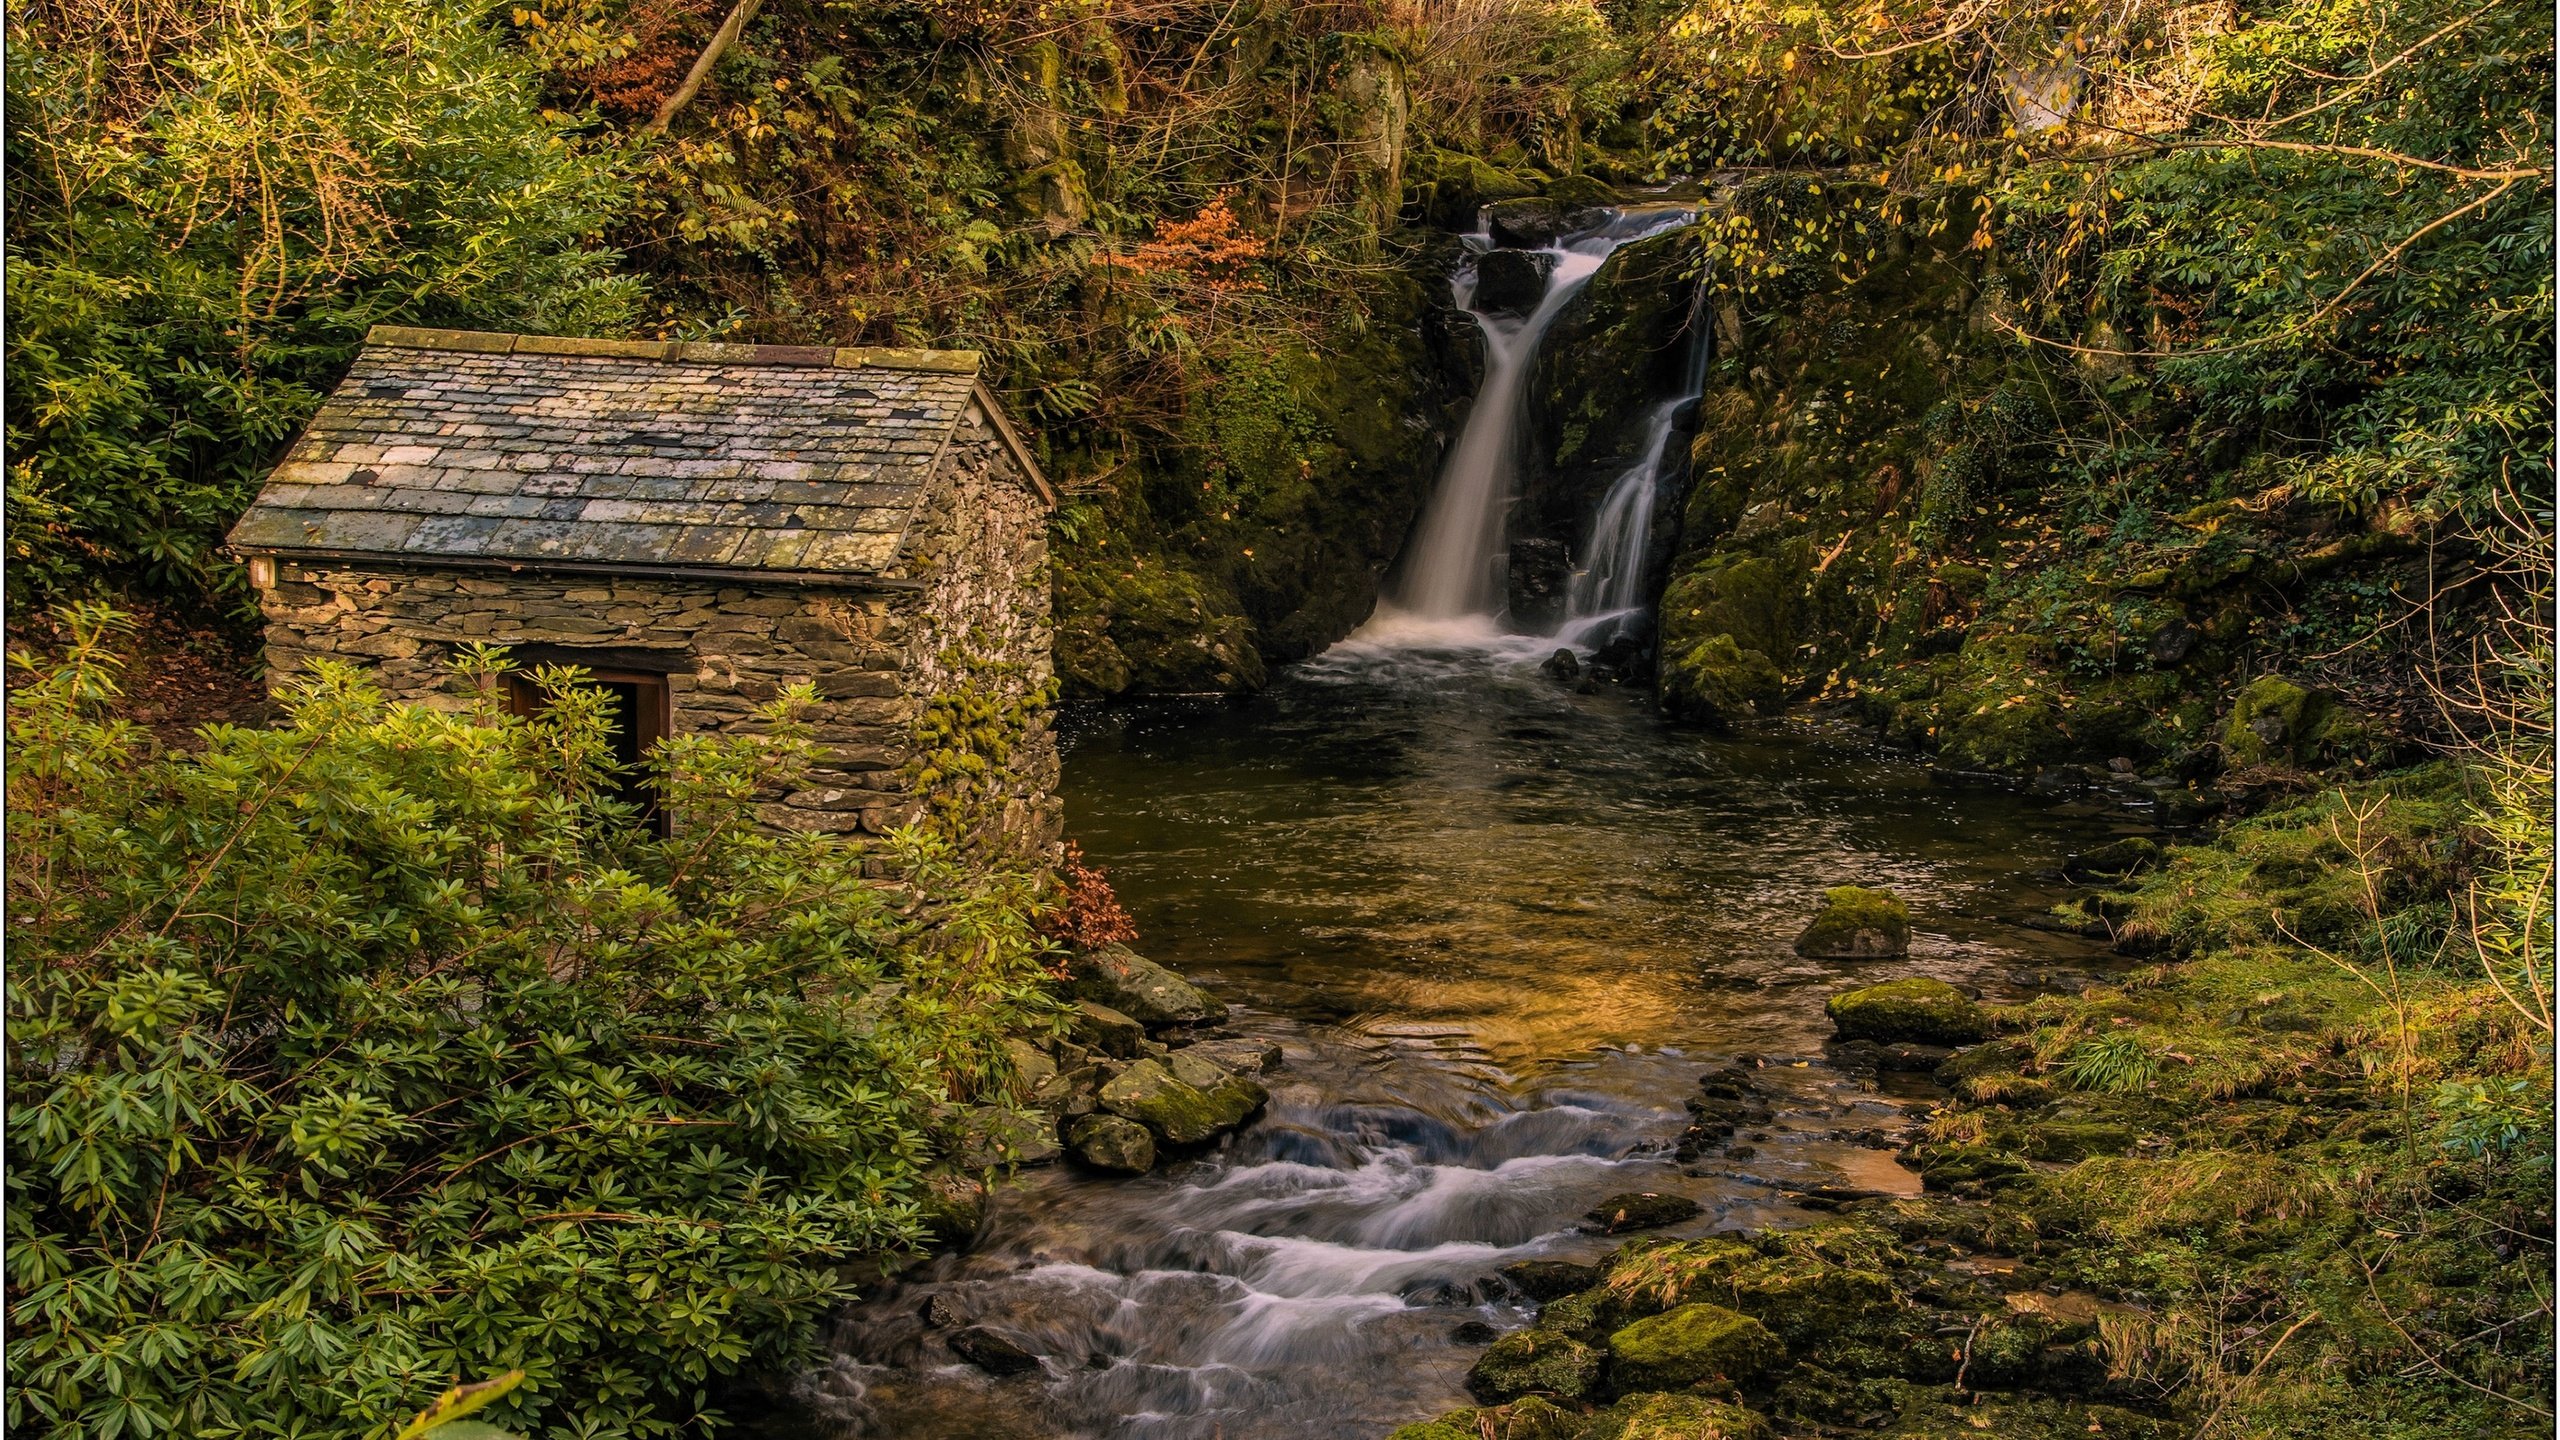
x: 1498, y: 929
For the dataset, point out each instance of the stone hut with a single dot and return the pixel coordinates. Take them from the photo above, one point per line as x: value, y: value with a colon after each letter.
x: 699, y: 525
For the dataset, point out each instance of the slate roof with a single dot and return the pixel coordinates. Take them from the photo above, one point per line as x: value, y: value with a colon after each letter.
x: 465, y: 447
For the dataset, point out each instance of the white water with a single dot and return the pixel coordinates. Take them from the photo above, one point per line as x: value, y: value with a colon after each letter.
x: 1610, y: 586
x: 1452, y: 576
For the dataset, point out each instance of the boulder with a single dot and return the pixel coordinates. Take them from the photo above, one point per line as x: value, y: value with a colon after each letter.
x: 1108, y: 1142
x: 1674, y: 1417
x: 2114, y: 860
x: 1139, y: 988
x: 1535, y: 1362
x: 1549, y: 1279
x: 992, y: 1351
x: 1180, y: 1113
x: 993, y: 1135
x: 1639, y: 1210
x: 1512, y: 282
x: 1244, y: 1057
x: 953, y: 1206
x: 1857, y: 923
x: 1562, y: 665
x: 1931, y: 1012
x: 1106, y: 1029
x: 1688, y: 1344
x: 1581, y: 192
x: 1525, y: 224
x: 1454, y: 187
x: 2274, y: 720
x: 1195, y: 1069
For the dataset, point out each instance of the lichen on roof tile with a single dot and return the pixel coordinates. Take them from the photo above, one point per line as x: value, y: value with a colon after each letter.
x: 738, y: 457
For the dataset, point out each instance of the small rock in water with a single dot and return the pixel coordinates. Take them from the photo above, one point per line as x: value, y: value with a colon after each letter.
x: 1931, y: 1012
x: 1109, y: 1142
x: 1473, y: 1332
x: 1857, y: 923
x: 1511, y: 282
x: 991, y: 1351
x: 1244, y: 1057
x: 1639, y: 1210
x: 941, y: 1310
x: 1549, y: 1279
x: 1524, y: 224
x: 1562, y: 665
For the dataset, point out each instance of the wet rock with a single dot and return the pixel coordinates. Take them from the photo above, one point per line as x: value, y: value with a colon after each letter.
x: 952, y: 1208
x: 1512, y: 282
x: 1197, y: 1070
x: 2114, y: 860
x: 1549, y: 1279
x: 1139, y: 988
x: 1106, y: 1029
x: 1178, y: 1112
x: 942, y: 1310
x: 1639, y: 1210
x: 1581, y: 192
x: 1562, y: 665
x: 1930, y: 1011
x: 1244, y: 1057
x: 1525, y: 224
x: 1535, y: 1362
x: 992, y: 1351
x: 1675, y: 1417
x: 1540, y: 577
x: 1857, y: 923
x: 1109, y: 1142
x: 2172, y: 642
x: 1473, y: 1332
x: 1912, y: 1057
x: 1691, y: 1343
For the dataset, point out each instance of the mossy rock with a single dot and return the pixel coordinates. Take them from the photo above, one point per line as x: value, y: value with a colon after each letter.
x: 1451, y: 187
x: 1691, y: 1343
x: 1456, y: 1425
x: 1932, y: 1012
x: 2114, y: 860
x: 2275, y: 721
x: 1857, y: 923
x: 1536, y: 1361
x: 1179, y: 1113
x: 1992, y: 1061
x: 1944, y: 1414
x: 1676, y: 1417
x: 1111, y: 1143
x: 1969, y: 1169
x: 1809, y: 1300
x: 1139, y: 988
x: 1586, y: 1316
x: 1639, y: 1210
x: 1580, y: 192
x: 1716, y: 683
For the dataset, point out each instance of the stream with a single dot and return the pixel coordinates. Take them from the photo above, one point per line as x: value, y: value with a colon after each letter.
x: 1497, y: 928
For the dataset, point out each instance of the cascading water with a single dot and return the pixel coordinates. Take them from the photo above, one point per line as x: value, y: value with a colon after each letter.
x: 1450, y: 583
x: 1610, y: 589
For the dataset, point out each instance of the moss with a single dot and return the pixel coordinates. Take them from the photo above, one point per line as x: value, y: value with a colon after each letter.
x: 1456, y: 1425
x: 2273, y: 720
x: 1676, y: 1417
x: 1858, y: 923
x: 1179, y: 1113
x: 1448, y: 188
x: 1535, y: 1361
x: 1691, y: 1343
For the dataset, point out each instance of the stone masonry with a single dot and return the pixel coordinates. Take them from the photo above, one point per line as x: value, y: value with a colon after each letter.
x: 735, y: 519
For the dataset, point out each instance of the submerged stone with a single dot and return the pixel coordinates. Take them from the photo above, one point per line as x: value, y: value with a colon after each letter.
x: 1110, y: 1142
x: 1675, y: 1417
x: 1857, y: 923
x: 992, y: 1351
x: 1180, y: 1113
x: 1139, y: 988
x: 1639, y: 1210
x: 1688, y: 1344
x: 1549, y: 1279
x: 1931, y: 1012
x: 1535, y: 1362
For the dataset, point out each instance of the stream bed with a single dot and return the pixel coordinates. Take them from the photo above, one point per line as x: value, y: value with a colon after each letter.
x: 1498, y: 930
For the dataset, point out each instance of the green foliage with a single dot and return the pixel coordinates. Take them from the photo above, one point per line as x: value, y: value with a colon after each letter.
x: 199, y: 235
x: 383, y: 1048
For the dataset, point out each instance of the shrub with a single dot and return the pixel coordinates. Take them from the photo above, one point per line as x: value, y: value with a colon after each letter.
x: 383, y: 1049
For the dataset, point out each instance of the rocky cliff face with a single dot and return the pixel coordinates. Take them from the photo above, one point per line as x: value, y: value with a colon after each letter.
x: 1266, y: 542
x: 1617, y: 351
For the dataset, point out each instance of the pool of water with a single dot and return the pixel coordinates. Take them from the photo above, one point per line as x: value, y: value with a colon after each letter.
x: 1498, y: 930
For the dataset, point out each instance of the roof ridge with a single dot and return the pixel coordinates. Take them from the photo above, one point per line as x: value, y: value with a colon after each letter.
x: 681, y: 352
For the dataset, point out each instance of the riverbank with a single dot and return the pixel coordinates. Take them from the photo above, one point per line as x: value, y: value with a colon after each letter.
x: 2291, y: 1178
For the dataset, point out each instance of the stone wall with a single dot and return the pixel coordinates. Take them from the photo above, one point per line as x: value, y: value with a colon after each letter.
x: 970, y: 613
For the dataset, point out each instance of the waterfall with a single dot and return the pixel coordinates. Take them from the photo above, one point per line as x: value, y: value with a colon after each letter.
x: 1610, y: 586
x: 1453, y: 568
